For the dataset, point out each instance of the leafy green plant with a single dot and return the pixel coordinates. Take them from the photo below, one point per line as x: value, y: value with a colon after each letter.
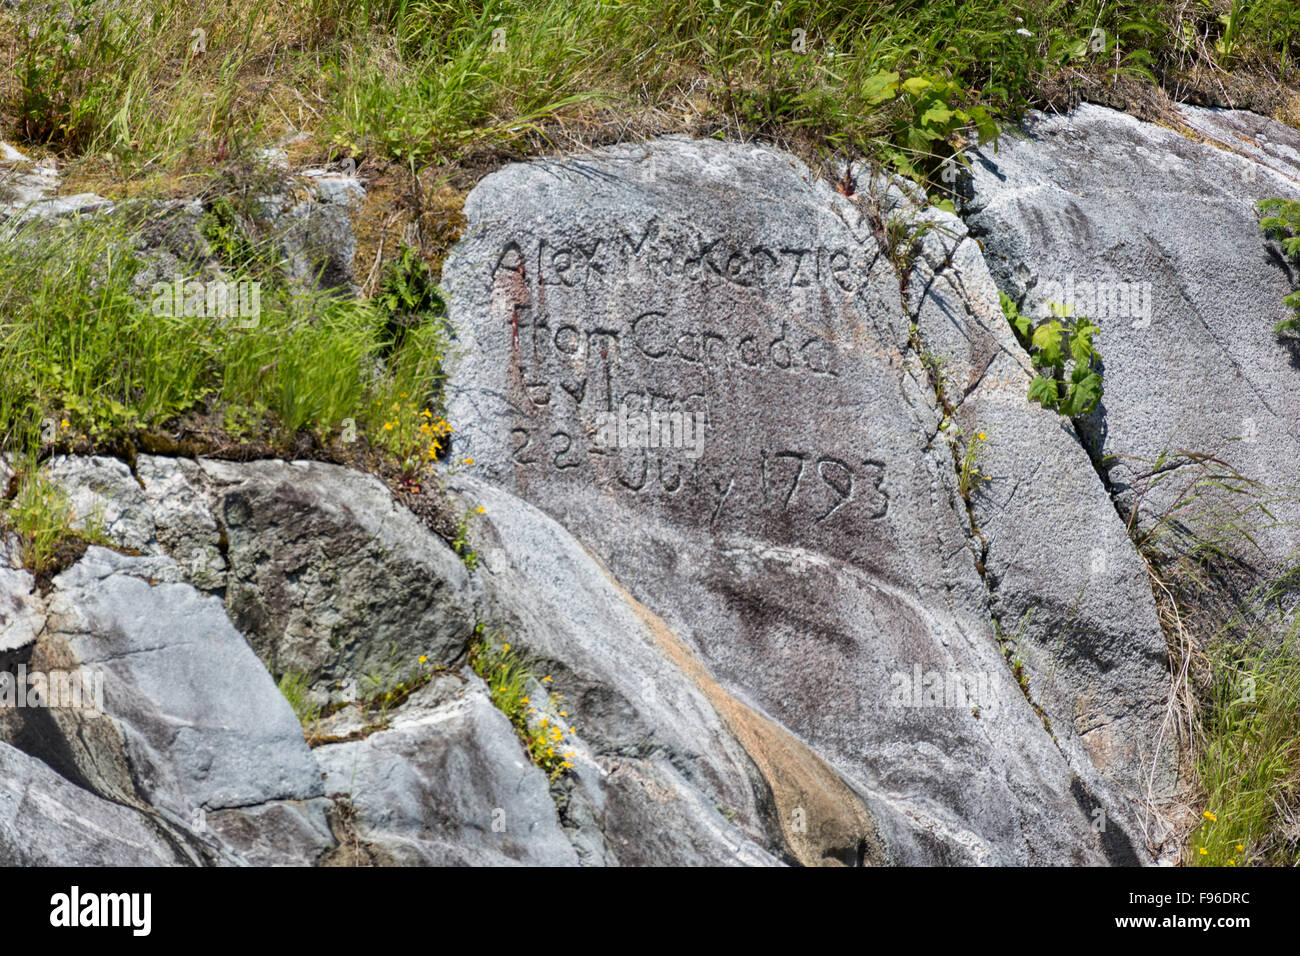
x: 1062, y: 350
x: 408, y: 295
x: 460, y: 544
x: 1282, y: 222
x: 52, y: 102
x: 926, y: 116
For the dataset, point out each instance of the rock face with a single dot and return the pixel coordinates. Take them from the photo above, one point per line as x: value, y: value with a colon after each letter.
x: 448, y: 785
x: 1156, y: 236
x: 664, y: 751
x: 1069, y: 592
x: 194, y: 738
x: 701, y: 363
x: 716, y: 412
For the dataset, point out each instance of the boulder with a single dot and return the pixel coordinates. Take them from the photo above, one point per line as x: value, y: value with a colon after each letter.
x: 447, y: 784
x: 1133, y: 223
x: 1070, y: 595
x: 695, y: 358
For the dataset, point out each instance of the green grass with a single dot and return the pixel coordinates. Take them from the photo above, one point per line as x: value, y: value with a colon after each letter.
x: 436, y: 81
x: 297, y: 691
x: 79, y: 343
x: 1235, y: 662
x: 50, y: 534
x: 1249, y: 764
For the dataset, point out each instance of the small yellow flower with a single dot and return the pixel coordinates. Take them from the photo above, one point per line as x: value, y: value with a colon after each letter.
x: 481, y: 509
x: 1210, y: 816
x: 423, y: 659
x: 1240, y: 848
x: 1232, y: 863
x: 981, y: 436
x: 1204, y: 852
x: 525, y: 701
x: 65, y: 424
x: 506, y: 648
x: 468, y: 461
x: 546, y: 679
x: 564, y: 714
x: 388, y: 426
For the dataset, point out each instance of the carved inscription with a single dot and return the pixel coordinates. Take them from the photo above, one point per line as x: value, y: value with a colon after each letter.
x: 635, y: 332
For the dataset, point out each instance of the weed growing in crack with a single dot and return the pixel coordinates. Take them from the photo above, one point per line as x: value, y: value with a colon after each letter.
x: 969, y: 476
x: 1063, y: 353
x: 537, y: 713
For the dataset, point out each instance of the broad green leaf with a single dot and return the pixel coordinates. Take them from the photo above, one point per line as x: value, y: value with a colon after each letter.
x: 1083, y: 396
x: 1081, y: 349
x: 1047, y: 340
x: 880, y: 87
x: 1043, y: 391
x: 985, y: 125
x: 937, y: 114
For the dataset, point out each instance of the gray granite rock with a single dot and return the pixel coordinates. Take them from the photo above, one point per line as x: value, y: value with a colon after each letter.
x: 47, y: 821
x: 447, y: 783
x: 1069, y: 591
x: 669, y: 768
x: 202, y: 724
x: 812, y: 548
x: 1109, y: 204
x: 328, y: 576
x: 103, y: 494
